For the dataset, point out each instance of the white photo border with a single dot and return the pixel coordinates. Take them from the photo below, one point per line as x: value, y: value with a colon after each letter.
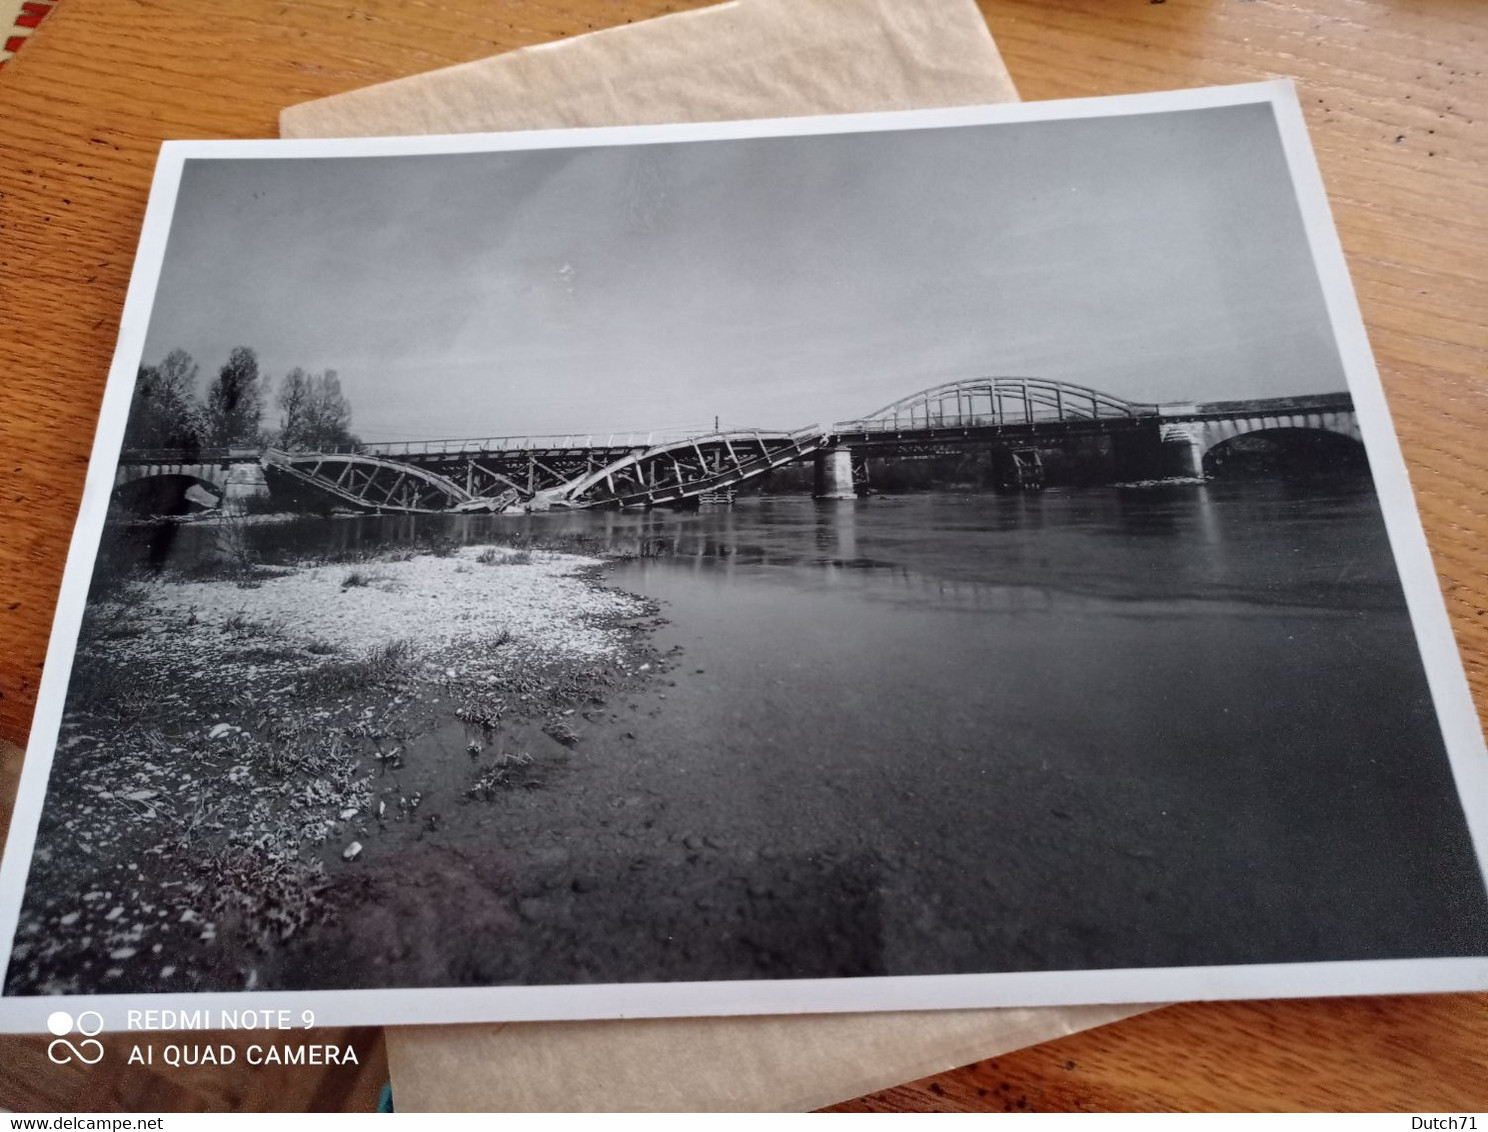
x: 1446, y: 677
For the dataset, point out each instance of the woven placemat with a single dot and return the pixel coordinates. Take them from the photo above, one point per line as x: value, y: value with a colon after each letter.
x: 20, y: 18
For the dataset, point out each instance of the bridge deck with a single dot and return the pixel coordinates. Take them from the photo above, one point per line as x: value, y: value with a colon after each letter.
x: 627, y: 469
x: 576, y: 443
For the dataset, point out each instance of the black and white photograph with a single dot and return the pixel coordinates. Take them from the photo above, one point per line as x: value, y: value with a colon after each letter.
x: 956, y: 544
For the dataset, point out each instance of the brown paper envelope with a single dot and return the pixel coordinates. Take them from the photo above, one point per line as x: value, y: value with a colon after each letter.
x: 748, y: 59
x: 752, y: 1064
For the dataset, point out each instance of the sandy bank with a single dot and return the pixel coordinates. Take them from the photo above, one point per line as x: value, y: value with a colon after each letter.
x: 546, y: 604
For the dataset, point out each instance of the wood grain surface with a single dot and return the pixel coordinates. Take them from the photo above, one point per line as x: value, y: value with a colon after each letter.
x: 1395, y: 98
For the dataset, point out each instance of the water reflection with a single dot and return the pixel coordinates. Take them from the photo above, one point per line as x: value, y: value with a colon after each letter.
x: 1271, y: 543
x: 1108, y: 727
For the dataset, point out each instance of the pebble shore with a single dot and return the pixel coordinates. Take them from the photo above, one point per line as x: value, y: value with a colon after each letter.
x: 231, y: 747
x: 549, y: 604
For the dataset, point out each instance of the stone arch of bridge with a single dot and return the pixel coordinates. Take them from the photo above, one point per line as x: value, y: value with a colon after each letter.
x: 1211, y: 434
x: 212, y: 475
x: 167, y: 491
x: 1286, y: 451
x: 1191, y: 443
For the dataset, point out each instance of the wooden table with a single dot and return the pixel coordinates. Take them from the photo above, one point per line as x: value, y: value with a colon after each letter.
x: 1396, y: 99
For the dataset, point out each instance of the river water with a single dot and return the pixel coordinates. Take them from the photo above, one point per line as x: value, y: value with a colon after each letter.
x: 1108, y: 727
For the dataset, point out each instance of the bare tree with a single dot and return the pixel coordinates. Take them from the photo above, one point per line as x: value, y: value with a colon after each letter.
x: 314, y: 413
x: 235, y: 401
x: 164, y: 412
x: 294, y: 391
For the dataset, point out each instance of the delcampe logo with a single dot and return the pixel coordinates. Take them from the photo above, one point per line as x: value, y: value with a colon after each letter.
x: 89, y: 1050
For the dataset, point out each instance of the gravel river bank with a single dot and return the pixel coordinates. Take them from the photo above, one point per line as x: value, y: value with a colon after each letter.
x: 241, y: 755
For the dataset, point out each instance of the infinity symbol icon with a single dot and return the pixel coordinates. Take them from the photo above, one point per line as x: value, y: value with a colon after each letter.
x: 89, y: 1022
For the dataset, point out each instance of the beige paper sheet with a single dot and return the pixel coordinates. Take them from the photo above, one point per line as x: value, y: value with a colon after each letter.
x: 748, y: 59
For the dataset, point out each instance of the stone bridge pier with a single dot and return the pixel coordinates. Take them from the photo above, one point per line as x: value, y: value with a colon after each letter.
x: 834, y: 473
x: 243, y: 481
x: 1180, y: 453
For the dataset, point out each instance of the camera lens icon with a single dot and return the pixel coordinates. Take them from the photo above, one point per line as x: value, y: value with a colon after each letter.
x: 62, y: 1050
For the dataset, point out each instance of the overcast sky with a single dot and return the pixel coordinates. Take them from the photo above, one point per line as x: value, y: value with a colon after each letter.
x: 779, y: 282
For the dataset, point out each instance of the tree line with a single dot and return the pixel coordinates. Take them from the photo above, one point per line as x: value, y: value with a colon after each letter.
x: 166, y: 412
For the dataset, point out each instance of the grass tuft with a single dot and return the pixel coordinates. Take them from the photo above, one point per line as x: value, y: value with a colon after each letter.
x: 244, y: 626
x: 374, y: 668
x: 508, y: 773
x: 495, y: 556
x: 263, y: 887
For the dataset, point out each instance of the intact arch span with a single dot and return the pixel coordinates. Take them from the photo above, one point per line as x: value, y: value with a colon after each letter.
x: 168, y: 492
x: 999, y: 401
x: 1216, y: 432
x: 1206, y: 438
x: 214, y: 478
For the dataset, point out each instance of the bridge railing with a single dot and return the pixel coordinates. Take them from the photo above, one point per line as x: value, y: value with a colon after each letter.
x: 613, y: 441
x: 187, y: 455
x: 914, y: 422
x: 744, y: 434
x: 475, y: 445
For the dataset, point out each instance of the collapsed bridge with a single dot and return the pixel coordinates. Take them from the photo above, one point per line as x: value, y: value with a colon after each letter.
x: 540, y: 473
x: 1013, y: 416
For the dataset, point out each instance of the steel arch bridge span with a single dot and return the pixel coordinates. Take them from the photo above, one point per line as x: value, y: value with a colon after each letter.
x: 683, y: 469
x: 998, y: 402
x: 371, y: 483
